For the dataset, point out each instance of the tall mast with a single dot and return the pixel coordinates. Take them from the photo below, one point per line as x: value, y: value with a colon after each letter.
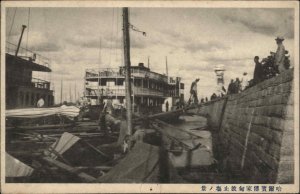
x: 20, y: 40
x: 61, y: 91
x: 126, y: 41
x: 70, y: 93
x: 98, y: 86
x: 167, y: 66
x: 75, y: 92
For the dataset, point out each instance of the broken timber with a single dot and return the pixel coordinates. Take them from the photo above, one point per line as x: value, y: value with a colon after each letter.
x: 70, y: 169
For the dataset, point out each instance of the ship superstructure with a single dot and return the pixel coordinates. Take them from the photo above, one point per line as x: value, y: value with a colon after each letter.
x: 149, y: 89
x: 22, y: 89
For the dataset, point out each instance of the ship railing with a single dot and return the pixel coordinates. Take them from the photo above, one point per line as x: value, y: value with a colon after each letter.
x: 101, y: 91
x: 39, y: 83
x: 28, y: 55
x: 30, y: 81
x: 119, y: 72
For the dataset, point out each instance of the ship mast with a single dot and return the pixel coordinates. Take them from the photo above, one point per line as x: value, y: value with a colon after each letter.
x: 61, y: 91
x: 20, y: 40
x: 126, y: 41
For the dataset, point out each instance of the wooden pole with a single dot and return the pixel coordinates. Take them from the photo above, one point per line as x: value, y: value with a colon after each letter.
x: 61, y: 91
x: 167, y: 72
x: 70, y: 93
x: 75, y: 92
x: 126, y: 41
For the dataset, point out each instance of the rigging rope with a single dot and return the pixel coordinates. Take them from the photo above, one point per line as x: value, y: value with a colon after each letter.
x: 111, y: 37
x: 46, y: 76
x: 117, y: 33
x: 12, y: 23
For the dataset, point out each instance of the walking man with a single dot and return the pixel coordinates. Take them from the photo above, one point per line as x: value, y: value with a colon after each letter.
x: 280, y: 54
x: 193, y: 92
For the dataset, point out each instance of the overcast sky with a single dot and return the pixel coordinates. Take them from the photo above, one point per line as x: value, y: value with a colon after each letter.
x: 195, y: 40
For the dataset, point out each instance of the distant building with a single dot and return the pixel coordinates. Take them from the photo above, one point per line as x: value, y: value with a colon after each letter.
x: 149, y: 89
x: 219, y: 70
x: 23, y: 90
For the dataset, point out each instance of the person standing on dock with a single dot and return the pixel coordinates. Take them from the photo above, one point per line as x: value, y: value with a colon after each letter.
x: 193, y: 92
x: 258, y: 75
x: 280, y: 54
x: 237, y: 85
x: 230, y: 89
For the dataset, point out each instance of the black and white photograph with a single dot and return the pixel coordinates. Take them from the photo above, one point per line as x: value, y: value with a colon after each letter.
x: 157, y: 97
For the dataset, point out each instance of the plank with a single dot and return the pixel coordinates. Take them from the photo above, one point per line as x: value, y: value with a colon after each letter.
x: 70, y: 169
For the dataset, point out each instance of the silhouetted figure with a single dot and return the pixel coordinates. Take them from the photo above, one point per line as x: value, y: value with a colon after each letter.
x: 193, y: 92
x: 237, y: 85
x: 258, y: 75
x: 230, y: 89
x: 206, y: 100
x: 213, y: 96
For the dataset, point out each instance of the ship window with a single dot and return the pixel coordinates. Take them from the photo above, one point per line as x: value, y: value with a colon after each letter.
x: 32, y: 98
x: 49, y: 100
x: 110, y: 83
x: 103, y: 83
x: 37, y: 97
x: 181, y: 86
x: 119, y: 82
x: 27, y: 99
x: 21, y: 98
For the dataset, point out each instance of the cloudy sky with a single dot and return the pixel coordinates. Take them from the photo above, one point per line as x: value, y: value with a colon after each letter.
x: 195, y: 40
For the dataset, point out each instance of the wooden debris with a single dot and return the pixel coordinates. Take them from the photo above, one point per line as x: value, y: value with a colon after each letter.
x: 70, y: 169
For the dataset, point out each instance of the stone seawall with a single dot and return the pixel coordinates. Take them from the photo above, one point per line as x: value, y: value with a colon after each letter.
x: 256, y: 129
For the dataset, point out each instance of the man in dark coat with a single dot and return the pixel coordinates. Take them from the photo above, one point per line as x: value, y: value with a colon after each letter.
x: 213, y: 96
x: 230, y: 89
x: 258, y: 71
x: 237, y: 85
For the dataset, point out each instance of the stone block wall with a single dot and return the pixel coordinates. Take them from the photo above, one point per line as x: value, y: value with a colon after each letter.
x: 213, y: 111
x: 257, y: 129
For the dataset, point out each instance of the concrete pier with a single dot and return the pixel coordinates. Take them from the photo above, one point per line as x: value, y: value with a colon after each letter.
x: 255, y: 130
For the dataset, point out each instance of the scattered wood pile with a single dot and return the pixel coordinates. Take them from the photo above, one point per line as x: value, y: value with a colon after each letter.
x: 83, y: 152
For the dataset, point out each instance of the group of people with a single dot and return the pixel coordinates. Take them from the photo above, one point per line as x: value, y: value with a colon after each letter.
x: 269, y: 67
x: 236, y: 86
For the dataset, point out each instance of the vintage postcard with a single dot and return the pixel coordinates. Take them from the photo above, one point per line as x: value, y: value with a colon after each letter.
x: 149, y: 96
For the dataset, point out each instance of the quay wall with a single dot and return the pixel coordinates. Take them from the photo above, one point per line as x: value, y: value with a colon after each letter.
x: 255, y: 129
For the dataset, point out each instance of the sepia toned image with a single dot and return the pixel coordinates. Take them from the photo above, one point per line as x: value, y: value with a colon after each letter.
x: 94, y: 94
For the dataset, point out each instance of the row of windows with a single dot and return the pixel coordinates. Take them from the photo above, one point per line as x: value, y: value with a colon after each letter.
x: 137, y: 83
x: 30, y: 99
